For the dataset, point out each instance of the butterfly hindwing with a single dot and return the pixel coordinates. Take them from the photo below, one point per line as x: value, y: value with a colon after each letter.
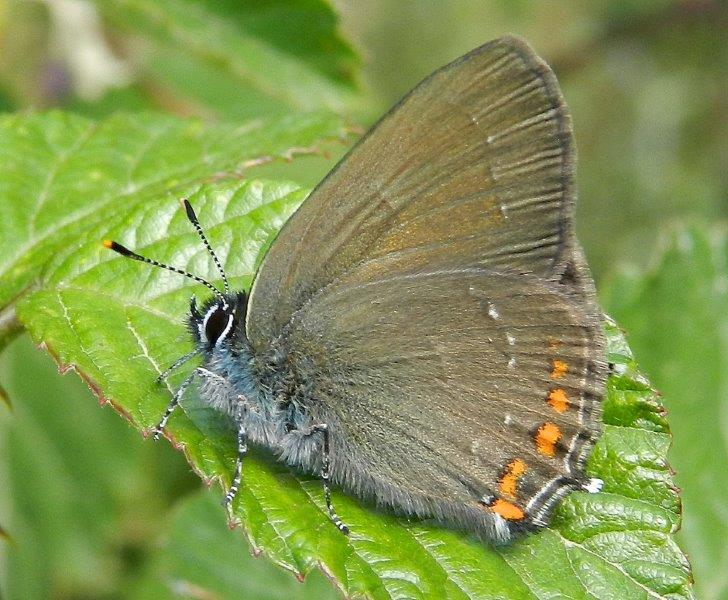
x: 433, y: 384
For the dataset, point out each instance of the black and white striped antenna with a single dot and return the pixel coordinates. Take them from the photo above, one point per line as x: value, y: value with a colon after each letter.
x: 124, y: 251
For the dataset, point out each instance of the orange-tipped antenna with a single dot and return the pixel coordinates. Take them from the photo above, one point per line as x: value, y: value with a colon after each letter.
x: 124, y: 251
x: 193, y: 219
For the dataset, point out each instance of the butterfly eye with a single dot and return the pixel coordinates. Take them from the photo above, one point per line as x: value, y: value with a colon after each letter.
x: 218, y: 323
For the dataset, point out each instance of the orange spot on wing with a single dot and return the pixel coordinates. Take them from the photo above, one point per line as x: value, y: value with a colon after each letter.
x: 507, y: 510
x: 546, y: 439
x: 560, y: 368
x: 511, y: 474
x: 558, y: 400
x: 554, y: 343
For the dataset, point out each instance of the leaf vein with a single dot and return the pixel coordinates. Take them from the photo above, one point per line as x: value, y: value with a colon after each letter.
x: 568, y: 543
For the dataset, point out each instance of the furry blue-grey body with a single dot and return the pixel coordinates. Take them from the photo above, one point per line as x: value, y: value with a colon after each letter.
x: 271, y: 417
x: 231, y: 388
x: 263, y: 394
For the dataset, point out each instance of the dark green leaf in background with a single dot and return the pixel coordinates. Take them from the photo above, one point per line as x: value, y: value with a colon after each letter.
x: 677, y: 318
x: 120, y: 323
x: 240, y: 58
x: 82, y: 496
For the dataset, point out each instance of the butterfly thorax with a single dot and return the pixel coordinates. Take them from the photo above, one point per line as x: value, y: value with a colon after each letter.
x: 288, y: 385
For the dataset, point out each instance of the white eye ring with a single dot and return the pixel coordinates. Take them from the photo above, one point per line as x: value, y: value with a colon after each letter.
x: 202, y: 327
x: 203, y: 324
x: 225, y: 331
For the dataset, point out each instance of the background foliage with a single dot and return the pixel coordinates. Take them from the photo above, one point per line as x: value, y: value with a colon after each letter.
x: 645, y: 82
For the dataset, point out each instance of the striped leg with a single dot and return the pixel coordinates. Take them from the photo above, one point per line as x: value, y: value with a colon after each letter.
x: 158, y: 430
x: 242, y: 451
x: 324, y: 429
x: 176, y: 364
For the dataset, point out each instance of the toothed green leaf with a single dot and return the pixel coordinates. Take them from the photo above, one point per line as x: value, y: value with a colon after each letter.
x: 120, y: 323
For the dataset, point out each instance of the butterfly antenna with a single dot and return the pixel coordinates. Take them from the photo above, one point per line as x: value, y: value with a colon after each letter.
x: 193, y: 219
x: 124, y: 251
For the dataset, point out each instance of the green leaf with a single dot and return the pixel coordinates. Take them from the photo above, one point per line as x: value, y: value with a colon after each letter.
x: 119, y: 324
x: 200, y: 552
x: 60, y: 173
x: 241, y: 58
x: 677, y: 316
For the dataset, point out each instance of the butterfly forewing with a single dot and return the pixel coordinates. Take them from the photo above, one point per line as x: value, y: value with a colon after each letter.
x: 474, y: 166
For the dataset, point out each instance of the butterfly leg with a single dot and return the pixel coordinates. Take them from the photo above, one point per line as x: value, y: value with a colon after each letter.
x: 158, y: 430
x: 325, y: 474
x: 238, y: 410
x: 242, y: 451
x: 175, y: 365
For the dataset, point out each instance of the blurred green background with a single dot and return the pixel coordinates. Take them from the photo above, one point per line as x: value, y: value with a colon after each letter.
x: 89, y: 510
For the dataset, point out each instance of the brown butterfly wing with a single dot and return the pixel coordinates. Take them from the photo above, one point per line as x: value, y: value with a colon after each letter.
x: 383, y: 287
x: 435, y: 384
x: 473, y: 167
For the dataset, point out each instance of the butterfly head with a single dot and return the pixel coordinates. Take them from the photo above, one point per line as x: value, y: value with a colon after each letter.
x: 217, y: 321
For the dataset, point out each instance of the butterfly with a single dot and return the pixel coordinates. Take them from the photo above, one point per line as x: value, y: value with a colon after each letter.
x: 424, y: 331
